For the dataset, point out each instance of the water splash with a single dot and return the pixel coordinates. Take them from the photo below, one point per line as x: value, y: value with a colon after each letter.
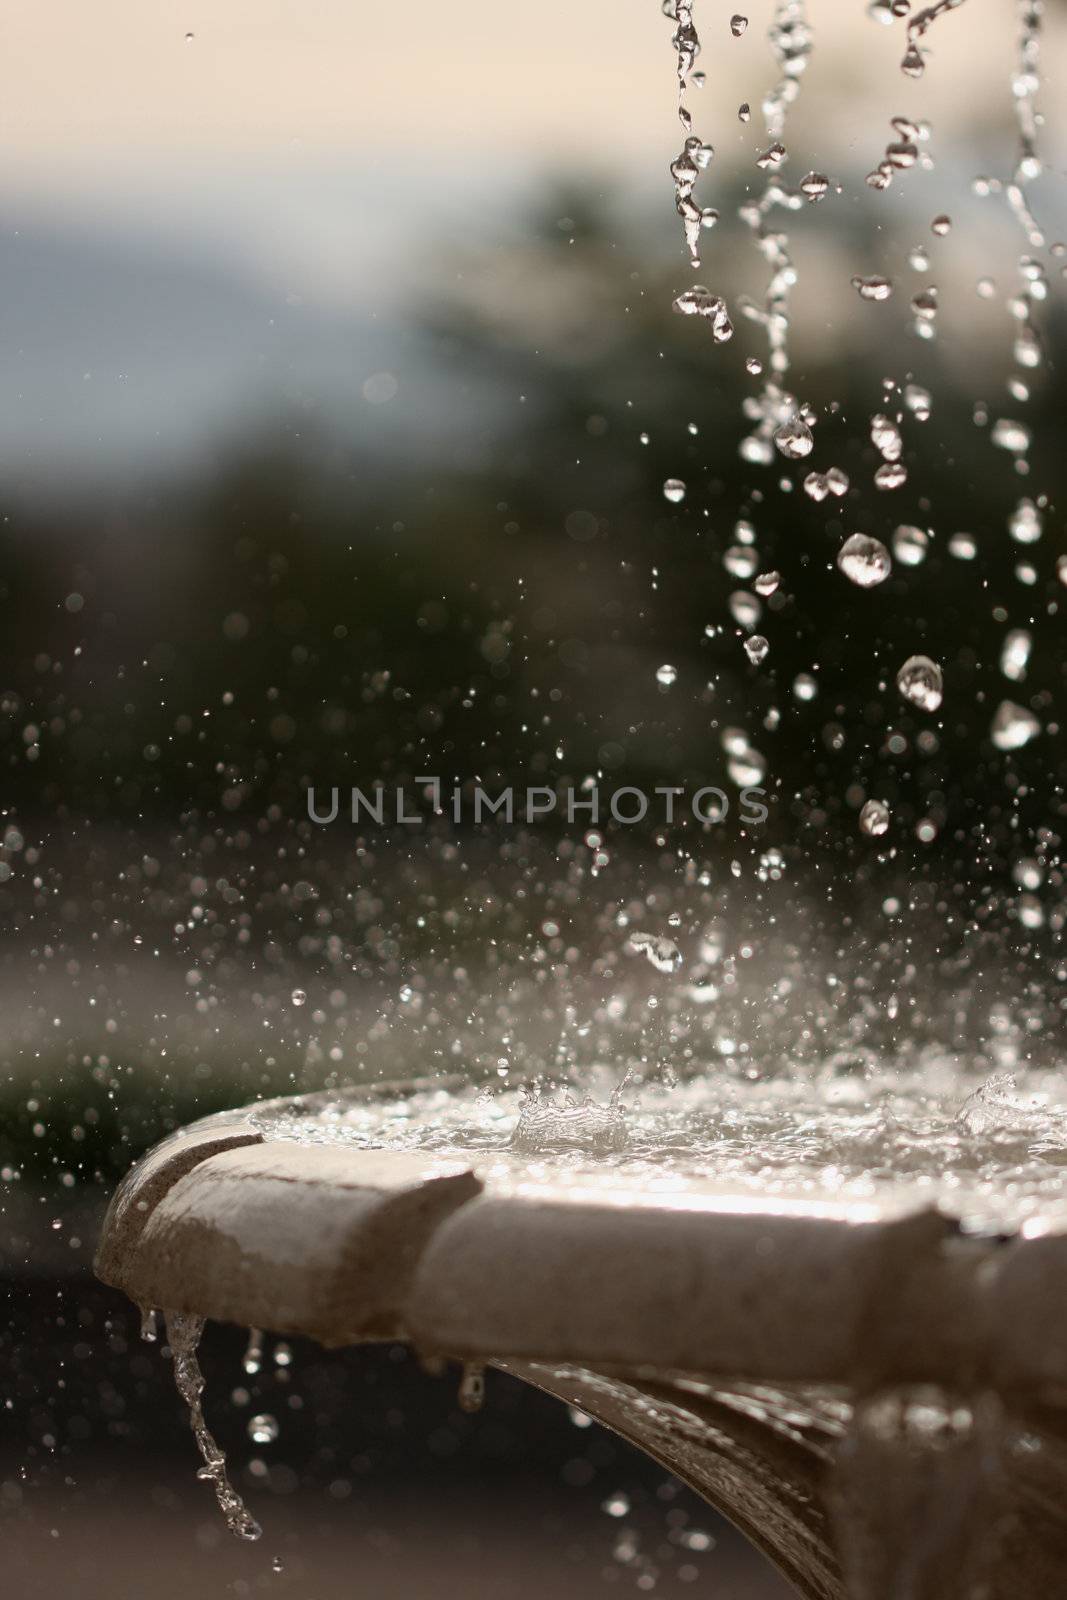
x: 570, y: 1124
x: 183, y: 1335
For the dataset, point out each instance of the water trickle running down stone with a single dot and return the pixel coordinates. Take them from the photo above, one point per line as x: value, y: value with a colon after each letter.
x: 183, y: 1336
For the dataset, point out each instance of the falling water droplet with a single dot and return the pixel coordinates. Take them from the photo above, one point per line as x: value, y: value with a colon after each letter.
x: 1026, y: 523
x: 253, y: 1356
x: 794, y: 439
x: 814, y: 185
x: 263, y: 1428
x: 773, y: 156
x: 874, y: 818
x: 666, y: 675
x: 738, y: 24
x: 674, y: 491
x: 1009, y: 435
x: 864, y: 560
x: 767, y: 583
x: 910, y: 545
x: 920, y: 682
x: 941, y: 225
x: 756, y: 648
x: 913, y: 65
x: 745, y: 609
x: 471, y: 1395
x: 299, y: 997
x: 891, y: 475
x: 744, y: 112
x: 1015, y: 654
x: 872, y: 288
x: 1013, y: 726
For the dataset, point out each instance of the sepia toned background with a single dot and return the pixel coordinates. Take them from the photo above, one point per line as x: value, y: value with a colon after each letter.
x: 328, y: 336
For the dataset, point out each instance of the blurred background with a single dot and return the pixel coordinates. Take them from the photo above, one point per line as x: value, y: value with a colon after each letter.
x: 338, y: 386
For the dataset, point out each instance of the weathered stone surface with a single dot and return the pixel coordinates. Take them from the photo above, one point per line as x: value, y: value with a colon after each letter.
x: 872, y: 1392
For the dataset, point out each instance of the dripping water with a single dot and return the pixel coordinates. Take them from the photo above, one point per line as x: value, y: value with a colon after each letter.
x: 183, y: 1335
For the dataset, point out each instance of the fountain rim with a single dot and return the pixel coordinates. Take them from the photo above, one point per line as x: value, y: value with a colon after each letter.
x: 346, y: 1245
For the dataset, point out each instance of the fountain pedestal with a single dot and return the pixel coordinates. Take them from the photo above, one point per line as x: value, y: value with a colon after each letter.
x: 871, y: 1390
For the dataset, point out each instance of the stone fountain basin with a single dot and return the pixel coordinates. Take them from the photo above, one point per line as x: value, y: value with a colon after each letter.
x: 740, y: 1338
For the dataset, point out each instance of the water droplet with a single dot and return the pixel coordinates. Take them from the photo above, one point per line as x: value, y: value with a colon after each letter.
x: 471, y: 1395
x: 1009, y: 435
x: 745, y: 608
x: 674, y: 491
x: 874, y: 818
x: 885, y: 436
x: 756, y: 648
x: 700, y: 302
x: 744, y: 112
x: 963, y: 546
x: 941, y: 225
x: 773, y: 156
x: 740, y: 561
x: 263, y: 1428
x: 890, y: 475
x: 794, y: 439
x: 814, y: 185
x: 805, y: 687
x: 663, y: 953
x: 920, y: 682
x: 1013, y: 726
x: 767, y: 583
x: 872, y: 288
x: 1015, y: 654
x: 738, y: 24
x: 864, y: 560
x: 910, y: 545
x: 298, y: 997
x: 912, y: 64
x: 1026, y: 523
x: 253, y: 1356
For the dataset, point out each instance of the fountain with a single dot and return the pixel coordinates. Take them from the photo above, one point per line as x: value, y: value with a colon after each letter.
x: 827, y: 1300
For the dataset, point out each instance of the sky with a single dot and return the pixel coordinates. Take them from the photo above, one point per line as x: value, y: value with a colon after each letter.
x: 318, y: 156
